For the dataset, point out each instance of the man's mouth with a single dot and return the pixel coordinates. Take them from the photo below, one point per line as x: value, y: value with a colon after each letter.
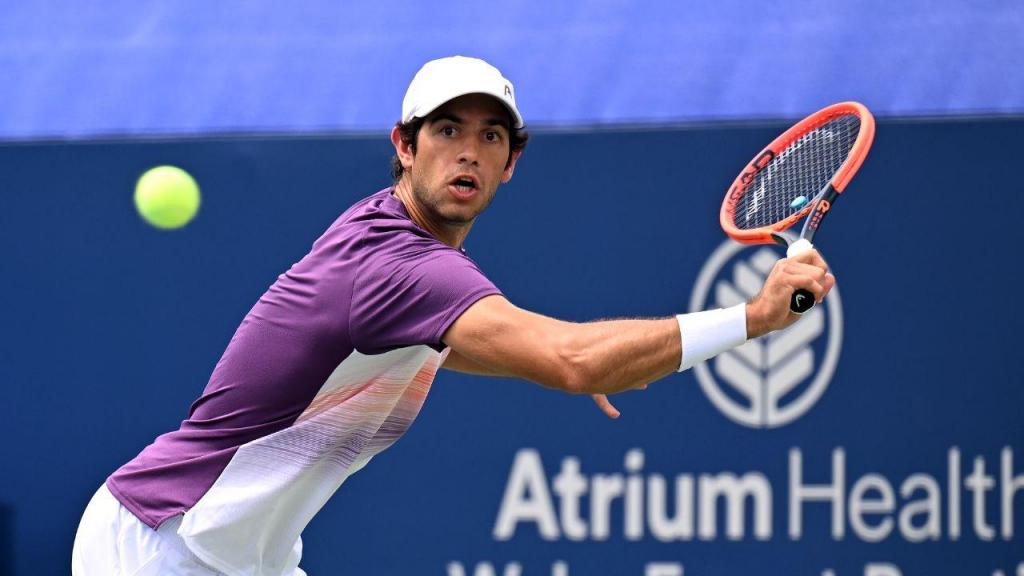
x: 463, y: 186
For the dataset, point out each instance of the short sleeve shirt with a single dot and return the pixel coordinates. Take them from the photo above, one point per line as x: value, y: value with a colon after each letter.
x: 330, y: 367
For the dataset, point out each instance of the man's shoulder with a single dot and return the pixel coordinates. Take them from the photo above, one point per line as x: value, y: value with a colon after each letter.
x: 380, y: 225
x: 374, y: 215
x: 378, y: 205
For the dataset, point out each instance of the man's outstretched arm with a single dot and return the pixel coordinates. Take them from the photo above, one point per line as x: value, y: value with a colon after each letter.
x: 497, y: 338
x: 460, y: 363
x: 494, y: 337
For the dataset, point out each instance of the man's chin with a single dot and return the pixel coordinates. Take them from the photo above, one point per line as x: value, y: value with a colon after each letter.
x: 459, y: 217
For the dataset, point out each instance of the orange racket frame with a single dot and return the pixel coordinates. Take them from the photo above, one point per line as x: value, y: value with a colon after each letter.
x: 766, y: 234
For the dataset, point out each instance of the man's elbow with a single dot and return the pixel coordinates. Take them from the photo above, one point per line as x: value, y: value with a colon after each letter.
x: 575, y: 373
x: 575, y: 383
x: 566, y: 381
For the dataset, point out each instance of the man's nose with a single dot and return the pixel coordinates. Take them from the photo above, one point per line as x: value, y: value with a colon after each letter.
x: 469, y: 154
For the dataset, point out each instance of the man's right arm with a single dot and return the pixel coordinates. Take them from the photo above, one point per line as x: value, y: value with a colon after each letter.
x: 616, y: 355
x: 596, y: 357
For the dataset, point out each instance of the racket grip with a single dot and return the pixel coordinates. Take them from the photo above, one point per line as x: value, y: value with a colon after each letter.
x: 802, y: 300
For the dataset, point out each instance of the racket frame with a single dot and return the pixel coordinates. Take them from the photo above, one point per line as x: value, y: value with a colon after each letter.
x: 823, y: 201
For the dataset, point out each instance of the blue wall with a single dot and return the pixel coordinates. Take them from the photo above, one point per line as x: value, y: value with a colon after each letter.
x: 113, y: 328
x: 80, y: 69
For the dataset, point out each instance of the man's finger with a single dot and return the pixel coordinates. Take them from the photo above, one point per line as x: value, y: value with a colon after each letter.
x: 830, y: 281
x: 796, y: 281
x: 810, y: 270
x: 602, y: 402
x: 812, y: 257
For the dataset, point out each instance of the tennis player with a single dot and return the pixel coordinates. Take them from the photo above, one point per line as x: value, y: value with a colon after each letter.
x: 333, y: 363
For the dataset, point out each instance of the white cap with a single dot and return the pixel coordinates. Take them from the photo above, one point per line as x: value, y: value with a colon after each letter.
x: 439, y: 81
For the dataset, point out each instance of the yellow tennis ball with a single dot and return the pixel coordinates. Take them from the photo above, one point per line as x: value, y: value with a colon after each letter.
x: 167, y: 197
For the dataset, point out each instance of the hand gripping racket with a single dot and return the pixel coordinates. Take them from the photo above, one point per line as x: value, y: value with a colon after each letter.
x: 799, y: 175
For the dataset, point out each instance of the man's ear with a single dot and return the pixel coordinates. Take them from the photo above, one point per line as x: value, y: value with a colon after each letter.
x: 507, y: 174
x: 402, y: 149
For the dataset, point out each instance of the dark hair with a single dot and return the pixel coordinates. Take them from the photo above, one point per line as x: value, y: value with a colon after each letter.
x: 408, y: 132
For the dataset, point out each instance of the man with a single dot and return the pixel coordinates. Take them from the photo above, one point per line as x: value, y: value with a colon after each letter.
x: 333, y: 363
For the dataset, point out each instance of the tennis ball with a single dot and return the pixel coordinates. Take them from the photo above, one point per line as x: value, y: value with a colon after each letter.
x: 167, y: 197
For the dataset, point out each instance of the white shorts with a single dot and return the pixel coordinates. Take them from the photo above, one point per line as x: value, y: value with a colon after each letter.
x: 111, y: 541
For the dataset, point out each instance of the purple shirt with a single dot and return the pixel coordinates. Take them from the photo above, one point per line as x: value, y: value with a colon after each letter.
x: 328, y: 368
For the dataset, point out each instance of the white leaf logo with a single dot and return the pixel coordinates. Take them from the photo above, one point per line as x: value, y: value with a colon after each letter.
x: 763, y: 371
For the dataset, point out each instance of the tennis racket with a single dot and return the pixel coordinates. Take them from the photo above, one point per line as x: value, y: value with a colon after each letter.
x: 799, y: 176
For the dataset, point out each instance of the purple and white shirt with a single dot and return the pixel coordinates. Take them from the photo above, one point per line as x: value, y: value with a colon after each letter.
x: 329, y: 368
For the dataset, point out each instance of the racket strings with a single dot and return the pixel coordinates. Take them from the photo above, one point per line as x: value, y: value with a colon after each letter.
x: 804, y: 168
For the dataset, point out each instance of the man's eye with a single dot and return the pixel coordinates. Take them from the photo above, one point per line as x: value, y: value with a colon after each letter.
x: 492, y: 136
x: 448, y: 131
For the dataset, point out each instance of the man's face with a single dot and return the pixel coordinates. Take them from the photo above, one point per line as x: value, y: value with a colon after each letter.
x: 462, y: 156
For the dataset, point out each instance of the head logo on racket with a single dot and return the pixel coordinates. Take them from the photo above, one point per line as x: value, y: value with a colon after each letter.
x: 773, y: 380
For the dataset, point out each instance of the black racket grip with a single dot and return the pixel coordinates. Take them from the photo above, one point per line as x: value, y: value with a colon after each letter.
x: 801, y: 301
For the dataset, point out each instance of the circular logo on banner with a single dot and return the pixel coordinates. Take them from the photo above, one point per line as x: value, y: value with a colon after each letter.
x: 772, y: 380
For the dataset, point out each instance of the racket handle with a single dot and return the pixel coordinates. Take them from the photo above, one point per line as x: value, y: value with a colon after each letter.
x: 802, y: 300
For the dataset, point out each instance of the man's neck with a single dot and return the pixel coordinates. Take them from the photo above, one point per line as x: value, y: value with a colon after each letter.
x: 450, y: 235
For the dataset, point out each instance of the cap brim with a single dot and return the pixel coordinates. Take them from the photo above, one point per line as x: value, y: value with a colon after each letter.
x: 425, y: 111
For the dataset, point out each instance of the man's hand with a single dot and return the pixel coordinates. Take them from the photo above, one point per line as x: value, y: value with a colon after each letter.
x: 769, y: 310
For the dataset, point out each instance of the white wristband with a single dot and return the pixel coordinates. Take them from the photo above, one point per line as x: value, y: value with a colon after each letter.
x: 709, y: 333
